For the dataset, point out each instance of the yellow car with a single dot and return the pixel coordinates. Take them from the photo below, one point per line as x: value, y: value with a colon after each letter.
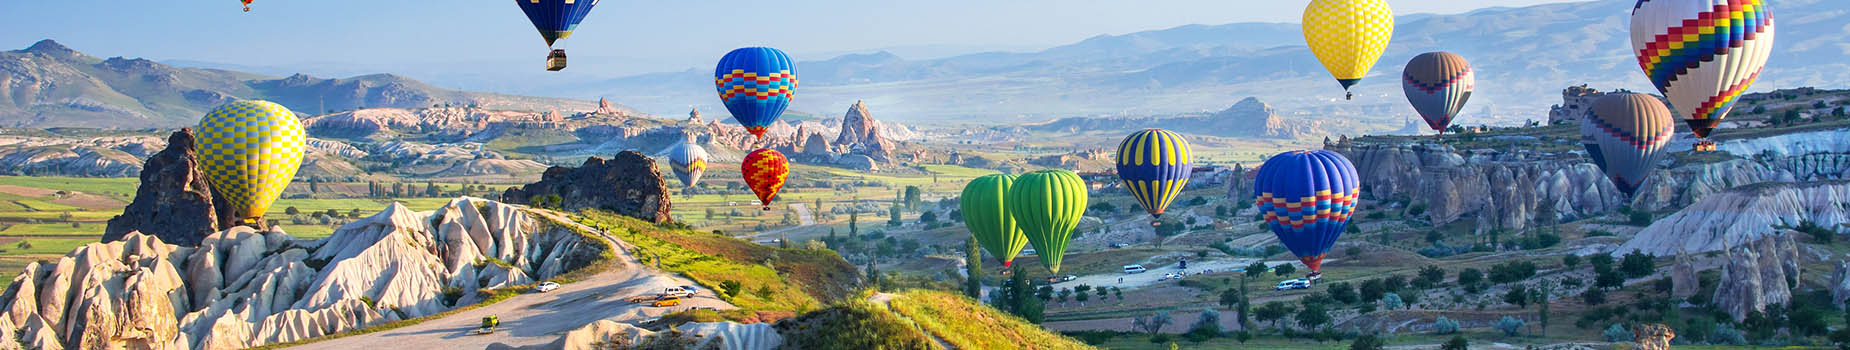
x: 669, y: 301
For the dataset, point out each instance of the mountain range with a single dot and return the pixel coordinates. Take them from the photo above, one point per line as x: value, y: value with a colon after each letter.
x: 1524, y: 57
x: 50, y: 85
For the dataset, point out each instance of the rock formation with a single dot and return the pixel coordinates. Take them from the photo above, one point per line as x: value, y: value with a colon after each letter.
x: 628, y: 184
x: 1575, y: 102
x: 1840, y: 283
x: 1743, y: 215
x: 243, y: 288
x: 606, y: 334
x: 1683, y: 279
x: 860, y: 134
x: 693, y: 117
x: 1757, y: 275
x: 174, y: 201
x: 1510, y: 190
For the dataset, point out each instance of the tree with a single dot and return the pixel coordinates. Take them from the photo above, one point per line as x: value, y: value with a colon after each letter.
x: 1208, y: 324
x: 1256, y: 269
x: 1429, y: 276
x: 1230, y: 297
x: 1638, y: 264
x: 1312, y: 316
x: 331, y: 213
x: 1470, y: 276
x: 1062, y: 295
x: 973, y: 266
x: 1517, y: 295
x: 1285, y: 269
x: 1372, y: 290
x: 1542, y: 293
x: 1444, y: 326
x: 1117, y: 293
x: 23, y: 245
x: 431, y: 190
x: 1510, y: 326
x: 873, y: 274
x: 1273, y: 311
x: 1152, y: 323
x: 854, y: 229
x: 1570, y: 261
x: 1046, y: 293
x: 912, y: 198
x: 554, y: 201
x: 1457, y: 343
x: 1022, y: 302
x: 1392, y: 301
x: 1593, y: 296
x: 1367, y: 342
x: 893, y: 216
x: 928, y: 218
x: 292, y: 211
x: 1342, y: 292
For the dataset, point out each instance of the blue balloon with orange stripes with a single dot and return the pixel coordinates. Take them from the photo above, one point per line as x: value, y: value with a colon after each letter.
x: 1154, y: 165
x: 1307, y: 198
x: 555, y: 19
x: 756, y: 84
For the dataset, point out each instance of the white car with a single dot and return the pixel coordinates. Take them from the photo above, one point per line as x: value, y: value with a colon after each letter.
x: 1291, y: 284
x: 681, y: 292
x: 547, y: 287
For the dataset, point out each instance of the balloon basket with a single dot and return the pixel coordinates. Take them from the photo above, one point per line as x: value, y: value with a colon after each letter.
x: 767, y: 208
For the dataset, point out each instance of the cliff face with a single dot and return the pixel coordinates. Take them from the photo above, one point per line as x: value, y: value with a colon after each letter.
x: 174, y: 201
x: 242, y: 288
x: 1756, y: 276
x: 1509, y: 190
x: 1743, y: 215
x: 628, y: 184
x: 861, y: 134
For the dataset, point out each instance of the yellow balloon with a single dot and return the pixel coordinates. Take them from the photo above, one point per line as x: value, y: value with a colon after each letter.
x: 249, y: 151
x: 1348, y: 36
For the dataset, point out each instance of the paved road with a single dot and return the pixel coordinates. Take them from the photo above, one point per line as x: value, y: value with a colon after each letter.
x: 540, y: 318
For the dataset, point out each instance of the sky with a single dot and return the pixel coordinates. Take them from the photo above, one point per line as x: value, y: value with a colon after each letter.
x: 280, y: 32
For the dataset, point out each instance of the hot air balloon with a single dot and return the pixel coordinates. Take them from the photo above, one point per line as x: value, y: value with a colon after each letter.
x: 765, y: 171
x: 1047, y: 205
x: 689, y: 161
x: 1307, y: 198
x: 984, y: 206
x: 1629, y: 132
x: 756, y: 84
x: 555, y: 19
x: 1701, y: 54
x: 247, y: 5
x: 249, y: 151
x: 1348, y: 36
x: 1438, y: 84
x: 1154, y: 166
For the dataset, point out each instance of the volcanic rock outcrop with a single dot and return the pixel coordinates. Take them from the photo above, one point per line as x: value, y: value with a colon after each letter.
x: 860, y: 134
x: 1510, y: 190
x: 1745, y: 214
x: 1756, y: 276
x: 242, y: 288
x: 628, y: 184
x: 174, y: 201
x: 709, y: 335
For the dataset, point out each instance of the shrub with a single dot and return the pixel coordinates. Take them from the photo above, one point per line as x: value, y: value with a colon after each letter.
x: 1207, y: 326
x: 1457, y: 343
x: 1639, y: 218
x: 1593, y: 296
x: 1444, y: 326
x: 1510, y: 326
x: 1638, y: 264
x: 1366, y: 342
x: 1570, y: 260
x: 1512, y: 271
x: 1617, y: 333
x: 1416, y: 209
x: 1391, y: 301
x: 1600, y: 233
x: 1726, y: 334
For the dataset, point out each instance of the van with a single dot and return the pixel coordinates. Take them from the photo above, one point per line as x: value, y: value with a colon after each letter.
x: 1291, y: 284
x: 1134, y: 269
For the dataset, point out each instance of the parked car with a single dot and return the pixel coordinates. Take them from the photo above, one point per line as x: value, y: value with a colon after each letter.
x: 678, y: 292
x: 547, y: 286
x: 1027, y: 252
x: 1134, y: 269
x: 1061, y: 278
x: 1291, y: 284
x: 671, y: 301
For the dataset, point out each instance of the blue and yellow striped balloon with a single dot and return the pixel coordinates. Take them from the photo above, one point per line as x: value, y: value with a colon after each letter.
x: 1154, y: 166
x: 756, y: 84
x: 249, y: 151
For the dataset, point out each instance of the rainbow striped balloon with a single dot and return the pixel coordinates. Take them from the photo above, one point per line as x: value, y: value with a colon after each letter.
x: 1702, y: 54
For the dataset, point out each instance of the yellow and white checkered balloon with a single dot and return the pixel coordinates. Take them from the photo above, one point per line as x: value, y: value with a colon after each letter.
x: 250, y: 151
x: 1348, y: 36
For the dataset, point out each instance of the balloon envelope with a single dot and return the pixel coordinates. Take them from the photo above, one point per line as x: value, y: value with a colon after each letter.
x: 984, y: 206
x: 1348, y: 36
x: 689, y: 161
x: 1438, y: 84
x: 1047, y: 205
x: 250, y: 151
x: 1628, y: 132
x: 756, y: 84
x: 765, y: 171
x: 555, y: 19
x: 1307, y: 198
x: 1154, y: 165
x: 1702, y: 54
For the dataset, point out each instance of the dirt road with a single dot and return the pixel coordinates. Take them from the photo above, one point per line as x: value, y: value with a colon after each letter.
x: 540, y: 318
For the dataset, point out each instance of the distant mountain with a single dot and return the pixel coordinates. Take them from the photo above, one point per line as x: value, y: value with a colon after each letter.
x: 50, y: 85
x: 1524, y: 57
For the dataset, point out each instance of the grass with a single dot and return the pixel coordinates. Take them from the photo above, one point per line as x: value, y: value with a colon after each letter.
x: 112, y: 186
x: 795, y: 279
x: 967, y: 324
x: 89, y: 230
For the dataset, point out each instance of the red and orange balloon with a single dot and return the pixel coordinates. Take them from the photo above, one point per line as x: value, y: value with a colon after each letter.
x: 765, y: 171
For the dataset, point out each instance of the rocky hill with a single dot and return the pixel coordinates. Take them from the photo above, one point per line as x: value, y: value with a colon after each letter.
x: 48, y: 85
x: 1247, y: 118
x: 241, y: 287
x: 1742, y: 215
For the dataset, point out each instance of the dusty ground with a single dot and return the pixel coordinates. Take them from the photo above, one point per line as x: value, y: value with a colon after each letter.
x: 541, y: 318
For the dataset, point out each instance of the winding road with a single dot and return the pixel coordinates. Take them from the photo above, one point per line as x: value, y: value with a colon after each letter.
x: 540, y: 318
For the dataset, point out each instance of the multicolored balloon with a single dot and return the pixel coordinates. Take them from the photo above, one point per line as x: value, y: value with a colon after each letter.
x: 1307, y: 198
x: 985, y: 210
x: 765, y: 171
x: 689, y: 161
x: 1154, y: 165
x: 1348, y: 36
x: 1047, y: 206
x: 247, y: 5
x: 555, y: 19
x: 1629, y: 132
x: 1438, y: 84
x: 756, y: 84
x: 250, y: 151
x: 1702, y: 54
